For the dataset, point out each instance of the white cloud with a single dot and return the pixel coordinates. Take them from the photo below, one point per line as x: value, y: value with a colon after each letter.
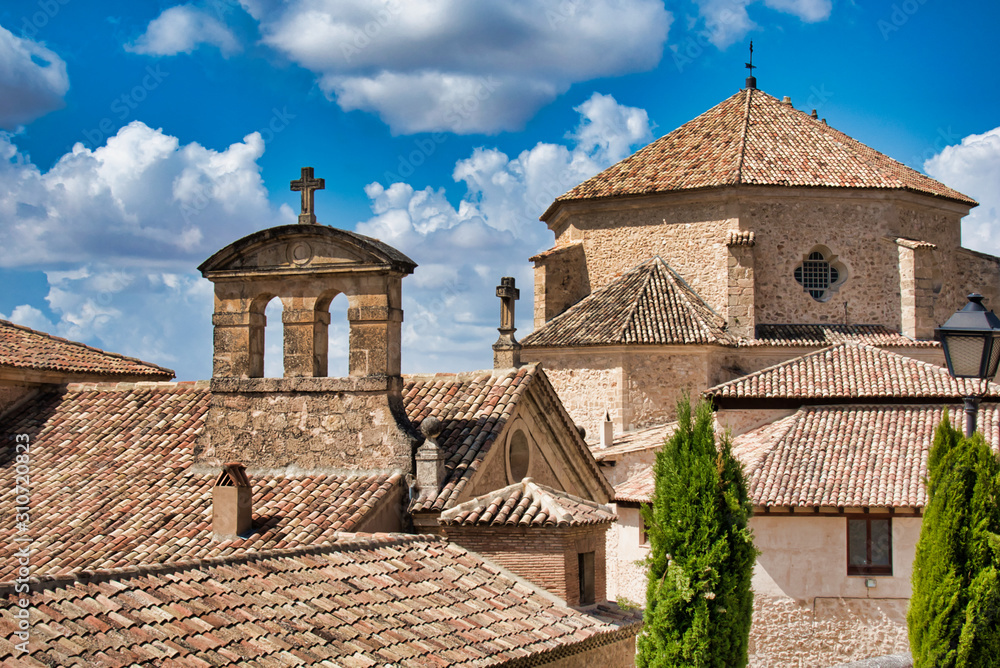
x: 727, y: 21
x: 451, y: 313
x: 182, y: 29
x: 973, y: 168
x: 143, y: 197
x: 33, y: 80
x: 29, y: 316
x: 427, y: 65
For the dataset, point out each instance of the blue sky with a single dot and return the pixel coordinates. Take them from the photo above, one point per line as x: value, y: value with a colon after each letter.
x: 139, y: 138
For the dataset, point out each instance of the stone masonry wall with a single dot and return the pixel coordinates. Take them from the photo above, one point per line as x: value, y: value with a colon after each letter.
x: 588, y: 382
x: 791, y: 634
x: 687, y: 231
x: 308, y: 423
x: 10, y: 394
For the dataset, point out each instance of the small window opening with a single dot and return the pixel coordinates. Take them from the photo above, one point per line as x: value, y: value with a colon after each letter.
x: 869, y: 546
x: 274, y: 340
x: 586, y: 563
x: 820, y: 275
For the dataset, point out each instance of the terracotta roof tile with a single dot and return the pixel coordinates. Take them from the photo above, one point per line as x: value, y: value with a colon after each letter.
x: 650, y: 304
x: 526, y: 503
x: 638, y: 488
x: 848, y: 456
x: 24, y: 348
x: 113, y: 482
x: 851, y: 370
x: 824, y: 335
x: 276, y: 619
x: 473, y: 409
x: 752, y: 138
x: 650, y: 438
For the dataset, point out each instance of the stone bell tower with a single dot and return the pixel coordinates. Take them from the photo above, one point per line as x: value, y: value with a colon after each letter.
x: 305, y: 419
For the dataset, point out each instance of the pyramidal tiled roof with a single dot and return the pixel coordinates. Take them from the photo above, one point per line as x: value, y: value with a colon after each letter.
x: 364, y: 600
x: 650, y: 304
x: 851, y: 370
x: 849, y: 455
x: 25, y: 348
x: 114, y: 483
x: 527, y: 504
x: 753, y: 138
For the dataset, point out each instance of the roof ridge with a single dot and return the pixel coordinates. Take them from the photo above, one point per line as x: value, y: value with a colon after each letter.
x: 351, y: 542
x: 80, y: 344
x: 630, y: 316
x: 742, y: 150
x: 124, y: 386
x: 688, y: 290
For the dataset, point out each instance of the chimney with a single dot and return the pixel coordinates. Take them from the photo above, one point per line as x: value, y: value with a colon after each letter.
x: 786, y: 101
x: 232, y: 501
x: 607, y: 431
x: 814, y: 115
x: 507, y: 351
x: 430, y: 459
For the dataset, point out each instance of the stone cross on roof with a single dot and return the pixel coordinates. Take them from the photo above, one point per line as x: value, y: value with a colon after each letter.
x: 307, y: 184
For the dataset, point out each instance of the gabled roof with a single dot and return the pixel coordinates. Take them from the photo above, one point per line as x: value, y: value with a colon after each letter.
x: 381, y: 599
x: 24, y: 348
x: 824, y: 335
x: 848, y: 456
x: 850, y: 371
x: 651, y: 304
x: 114, y: 483
x: 638, y: 440
x: 752, y: 138
x: 527, y: 504
x: 638, y: 488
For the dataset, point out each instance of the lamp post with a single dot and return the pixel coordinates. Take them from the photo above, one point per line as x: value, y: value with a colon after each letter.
x: 971, y: 342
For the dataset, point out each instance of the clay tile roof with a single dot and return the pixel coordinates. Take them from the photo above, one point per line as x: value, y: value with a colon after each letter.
x: 373, y: 600
x: 650, y: 304
x: 473, y: 409
x: 852, y: 371
x: 650, y: 438
x: 848, y: 456
x: 527, y: 504
x: 25, y: 348
x: 113, y: 484
x: 638, y: 488
x: 824, y: 335
x: 752, y: 138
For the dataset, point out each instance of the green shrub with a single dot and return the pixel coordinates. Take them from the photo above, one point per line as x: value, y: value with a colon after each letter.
x: 698, y: 598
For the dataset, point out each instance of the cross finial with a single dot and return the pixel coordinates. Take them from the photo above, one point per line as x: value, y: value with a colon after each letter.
x: 308, y: 185
x: 507, y: 351
x: 751, y: 80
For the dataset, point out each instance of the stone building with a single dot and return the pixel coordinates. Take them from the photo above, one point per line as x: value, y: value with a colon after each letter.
x: 247, y: 519
x: 751, y: 234
x: 726, y: 258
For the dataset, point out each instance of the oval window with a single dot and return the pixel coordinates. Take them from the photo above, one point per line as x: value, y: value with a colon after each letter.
x: 518, y: 456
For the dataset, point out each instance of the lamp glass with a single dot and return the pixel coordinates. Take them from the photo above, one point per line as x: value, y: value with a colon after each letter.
x: 965, y: 354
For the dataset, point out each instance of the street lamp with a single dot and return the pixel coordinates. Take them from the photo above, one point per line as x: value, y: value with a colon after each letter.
x: 971, y: 342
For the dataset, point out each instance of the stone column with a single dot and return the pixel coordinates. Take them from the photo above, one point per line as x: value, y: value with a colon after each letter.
x: 741, y: 316
x: 375, y: 336
x: 303, y: 329
x: 916, y: 288
x: 238, y: 344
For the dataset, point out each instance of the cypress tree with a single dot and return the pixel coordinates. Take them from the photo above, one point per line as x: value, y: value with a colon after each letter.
x: 698, y: 598
x: 954, y: 616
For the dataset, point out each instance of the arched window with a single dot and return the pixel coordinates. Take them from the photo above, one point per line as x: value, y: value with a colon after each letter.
x: 274, y: 340
x: 820, y: 274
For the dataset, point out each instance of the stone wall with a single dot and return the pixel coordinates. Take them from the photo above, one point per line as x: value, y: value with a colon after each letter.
x: 308, y: 423
x: 11, y: 394
x: 547, y: 556
x: 626, y: 573
x: 824, y: 632
x: 588, y: 381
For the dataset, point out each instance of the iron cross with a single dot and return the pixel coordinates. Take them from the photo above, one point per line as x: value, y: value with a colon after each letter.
x: 750, y: 66
x: 308, y: 185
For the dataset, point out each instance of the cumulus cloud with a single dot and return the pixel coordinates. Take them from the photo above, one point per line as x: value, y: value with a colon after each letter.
x: 143, y: 197
x: 33, y: 80
x: 973, y: 168
x: 727, y: 21
x: 429, y: 65
x: 182, y: 29
x: 451, y: 314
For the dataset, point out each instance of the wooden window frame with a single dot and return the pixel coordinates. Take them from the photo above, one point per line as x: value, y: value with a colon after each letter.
x: 869, y: 570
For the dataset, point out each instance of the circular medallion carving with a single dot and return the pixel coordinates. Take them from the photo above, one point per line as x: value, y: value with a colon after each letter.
x: 300, y: 253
